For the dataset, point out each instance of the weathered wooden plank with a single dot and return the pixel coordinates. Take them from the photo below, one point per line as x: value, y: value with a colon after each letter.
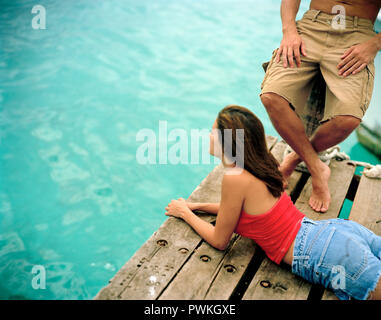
x: 193, y: 279
x: 211, y: 273
x: 340, y: 179
x: 155, y: 263
x: 272, y: 282
x: 366, y: 208
x: 296, y: 288
x: 231, y: 269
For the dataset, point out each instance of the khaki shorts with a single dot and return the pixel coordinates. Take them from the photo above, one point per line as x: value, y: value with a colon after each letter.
x: 325, y: 45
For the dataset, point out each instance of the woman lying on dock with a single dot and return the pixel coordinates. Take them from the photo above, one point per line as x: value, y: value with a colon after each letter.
x: 255, y: 205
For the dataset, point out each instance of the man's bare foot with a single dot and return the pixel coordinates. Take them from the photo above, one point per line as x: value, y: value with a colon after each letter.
x: 320, y: 197
x: 288, y: 166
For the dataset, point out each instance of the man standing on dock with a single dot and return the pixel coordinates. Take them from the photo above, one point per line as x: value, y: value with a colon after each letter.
x: 340, y: 46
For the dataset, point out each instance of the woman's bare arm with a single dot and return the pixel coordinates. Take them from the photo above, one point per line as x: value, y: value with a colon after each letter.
x: 232, y: 196
x: 209, y: 207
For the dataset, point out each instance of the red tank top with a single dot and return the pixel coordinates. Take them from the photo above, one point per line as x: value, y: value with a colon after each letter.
x: 275, y: 230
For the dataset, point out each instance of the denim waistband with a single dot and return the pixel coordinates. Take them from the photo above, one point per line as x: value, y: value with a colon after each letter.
x: 350, y: 21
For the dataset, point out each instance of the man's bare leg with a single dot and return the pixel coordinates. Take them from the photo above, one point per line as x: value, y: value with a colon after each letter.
x: 329, y: 134
x: 291, y: 128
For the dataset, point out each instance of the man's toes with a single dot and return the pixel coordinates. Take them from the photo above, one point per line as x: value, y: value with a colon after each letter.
x: 324, y: 207
x: 319, y: 206
x: 315, y: 205
x: 312, y: 203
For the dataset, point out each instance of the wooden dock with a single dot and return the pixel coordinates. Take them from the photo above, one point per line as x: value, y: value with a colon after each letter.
x: 175, y: 263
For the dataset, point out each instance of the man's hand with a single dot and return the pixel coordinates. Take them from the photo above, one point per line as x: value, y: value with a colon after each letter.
x: 291, y: 47
x: 357, y: 57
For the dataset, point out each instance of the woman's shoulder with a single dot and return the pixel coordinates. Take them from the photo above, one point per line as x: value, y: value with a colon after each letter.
x: 240, y: 178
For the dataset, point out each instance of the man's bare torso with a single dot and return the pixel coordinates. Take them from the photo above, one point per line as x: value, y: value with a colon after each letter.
x: 362, y: 8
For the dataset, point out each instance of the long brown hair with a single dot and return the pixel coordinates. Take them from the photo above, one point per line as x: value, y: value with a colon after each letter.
x: 257, y: 158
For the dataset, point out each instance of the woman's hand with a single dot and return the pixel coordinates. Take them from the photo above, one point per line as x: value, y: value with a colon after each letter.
x: 177, y: 208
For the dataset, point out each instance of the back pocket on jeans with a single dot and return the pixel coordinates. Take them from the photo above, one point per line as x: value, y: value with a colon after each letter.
x: 342, y: 252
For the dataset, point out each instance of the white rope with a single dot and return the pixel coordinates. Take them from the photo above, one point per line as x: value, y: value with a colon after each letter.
x: 370, y: 171
x: 374, y: 172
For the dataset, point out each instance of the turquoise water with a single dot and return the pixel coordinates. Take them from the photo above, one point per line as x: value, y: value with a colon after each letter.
x: 73, y: 198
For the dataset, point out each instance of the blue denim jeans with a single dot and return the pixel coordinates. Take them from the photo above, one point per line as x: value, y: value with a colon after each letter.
x: 339, y: 254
